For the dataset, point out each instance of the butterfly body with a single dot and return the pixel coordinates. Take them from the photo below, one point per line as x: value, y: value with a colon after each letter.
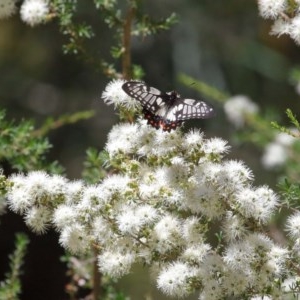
x: 166, y: 110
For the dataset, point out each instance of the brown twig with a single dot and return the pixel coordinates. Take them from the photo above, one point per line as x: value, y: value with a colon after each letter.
x: 126, y: 58
x: 96, y: 277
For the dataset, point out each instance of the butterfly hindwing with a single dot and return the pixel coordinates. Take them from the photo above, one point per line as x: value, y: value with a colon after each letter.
x: 166, y: 110
x: 186, y: 109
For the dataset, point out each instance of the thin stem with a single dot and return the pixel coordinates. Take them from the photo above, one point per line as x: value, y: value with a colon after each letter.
x: 126, y: 58
x: 96, y: 278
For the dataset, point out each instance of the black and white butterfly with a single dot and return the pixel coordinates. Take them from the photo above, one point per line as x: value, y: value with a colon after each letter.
x: 166, y: 110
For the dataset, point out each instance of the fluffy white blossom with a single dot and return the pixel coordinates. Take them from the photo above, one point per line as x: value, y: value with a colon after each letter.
x: 295, y: 29
x: 114, y: 94
x: 234, y: 226
x: 174, y: 280
x: 122, y: 138
x: 34, y: 12
x: 194, y: 138
x: 276, y: 153
x: 64, y: 216
x: 102, y: 230
x: 215, y: 146
x: 258, y: 203
x: 74, y: 238
x: 293, y: 225
x: 19, y: 199
x: 271, y: 8
x: 114, y: 263
x: 212, y: 290
x: 256, y: 250
x: 238, y: 107
x: 196, y: 253
x: 127, y: 221
x: 280, y: 27
x: 167, y: 233
x: 38, y: 219
x: 7, y: 8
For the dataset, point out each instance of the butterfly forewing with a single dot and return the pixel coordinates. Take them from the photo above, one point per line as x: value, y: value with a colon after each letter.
x: 166, y: 110
x: 149, y: 97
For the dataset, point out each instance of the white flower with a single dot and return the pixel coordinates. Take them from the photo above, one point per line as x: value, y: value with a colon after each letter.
x: 271, y: 8
x: 34, y: 12
x: 36, y: 183
x: 238, y: 107
x: 194, y: 138
x: 239, y: 256
x: 275, y: 155
x: 114, y: 94
x: 290, y: 283
x: 117, y: 183
x: 92, y: 200
x: 74, y: 191
x: 128, y: 221
x: 277, y: 258
x: 192, y: 231
x: 75, y: 238
x: 174, y: 280
x: 147, y: 213
x: 212, y: 290
x: 233, y: 284
x: 122, y: 139
x: 212, y: 266
x: 258, y: 203
x: 234, y: 175
x: 7, y: 8
x: 57, y: 186
x: 38, y: 218
x: 19, y: 199
x: 204, y: 199
x: 234, y: 227
x: 215, y: 146
x: 280, y: 27
x: 167, y: 142
x: 196, y: 253
x: 102, y: 231
x: 276, y: 152
x: 115, y: 264
x: 167, y: 233
x: 293, y: 225
x: 285, y: 139
x: 64, y: 216
x: 295, y: 29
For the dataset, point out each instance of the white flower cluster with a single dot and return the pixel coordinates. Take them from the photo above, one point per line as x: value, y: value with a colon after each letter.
x: 285, y: 15
x: 33, y: 12
x: 276, y: 153
x: 170, y: 191
x: 114, y: 94
x: 238, y: 108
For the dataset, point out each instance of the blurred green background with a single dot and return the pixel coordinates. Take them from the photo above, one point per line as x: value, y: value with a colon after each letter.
x: 223, y: 43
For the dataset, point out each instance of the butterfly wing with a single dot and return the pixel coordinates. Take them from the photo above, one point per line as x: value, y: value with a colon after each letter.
x: 185, y: 109
x: 151, y: 98
x: 166, y: 110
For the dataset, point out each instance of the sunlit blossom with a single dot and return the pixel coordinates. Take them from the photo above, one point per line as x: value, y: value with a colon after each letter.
x: 34, y: 12
x: 238, y: 107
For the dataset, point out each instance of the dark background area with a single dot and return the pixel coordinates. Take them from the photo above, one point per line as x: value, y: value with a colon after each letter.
x: 224, y: 43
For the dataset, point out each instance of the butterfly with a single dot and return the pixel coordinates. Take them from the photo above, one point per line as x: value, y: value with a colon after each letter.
x: 166, y: 110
